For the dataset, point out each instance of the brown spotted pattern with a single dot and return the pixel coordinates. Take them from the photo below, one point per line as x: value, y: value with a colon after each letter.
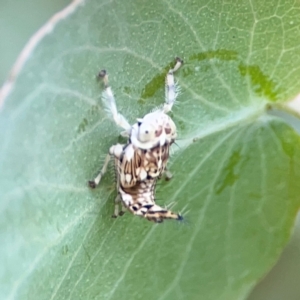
x: 143, y: 202
x: 144, y: 164
x: 137, y: 180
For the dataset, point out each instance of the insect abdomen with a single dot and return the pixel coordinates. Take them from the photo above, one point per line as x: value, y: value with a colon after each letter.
x: 140, y: 201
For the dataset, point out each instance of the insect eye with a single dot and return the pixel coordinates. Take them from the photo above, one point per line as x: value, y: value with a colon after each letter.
x: 167, y: 130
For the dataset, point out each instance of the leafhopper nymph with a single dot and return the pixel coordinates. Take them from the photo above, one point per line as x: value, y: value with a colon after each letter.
x: 142, y: 160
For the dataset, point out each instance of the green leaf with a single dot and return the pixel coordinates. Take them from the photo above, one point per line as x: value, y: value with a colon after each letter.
x: 236, y: 169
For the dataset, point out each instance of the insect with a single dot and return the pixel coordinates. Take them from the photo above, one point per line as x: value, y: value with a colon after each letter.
x: 142, y: 160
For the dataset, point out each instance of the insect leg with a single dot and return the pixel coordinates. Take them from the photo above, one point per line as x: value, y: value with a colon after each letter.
x: 168, y: 174
x: 172, y: 89
x: 110, y: 103
x: 94, y: 183
x: 123, y: 209
x: 117, y: 150
x: 117, y: 205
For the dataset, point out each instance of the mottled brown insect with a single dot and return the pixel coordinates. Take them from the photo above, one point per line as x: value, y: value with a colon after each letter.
x: 141, y: 161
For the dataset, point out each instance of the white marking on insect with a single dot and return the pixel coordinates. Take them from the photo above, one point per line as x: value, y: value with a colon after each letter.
x: 128, y: 178
x: 141, y: 161
x: 143, y: 175
x: 129, y: 152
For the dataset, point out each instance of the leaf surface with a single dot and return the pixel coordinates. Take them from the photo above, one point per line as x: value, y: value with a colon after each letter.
x: 236, y: 168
